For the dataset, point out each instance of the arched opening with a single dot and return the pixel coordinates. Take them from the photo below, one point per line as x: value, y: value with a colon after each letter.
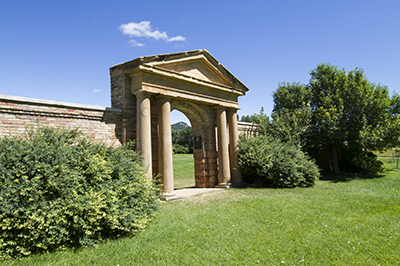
x: 201, y: 119
x: 182, y: 147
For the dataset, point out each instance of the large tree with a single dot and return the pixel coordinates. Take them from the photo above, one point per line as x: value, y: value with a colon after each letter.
x: 337, y: 110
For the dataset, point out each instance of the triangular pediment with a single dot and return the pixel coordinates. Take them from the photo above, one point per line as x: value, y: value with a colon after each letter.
x: 198, y: 68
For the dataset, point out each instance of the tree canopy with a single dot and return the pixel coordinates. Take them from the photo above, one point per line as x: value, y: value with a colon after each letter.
x: 339, y: 111
x: 246, y: 118
x: 182, y: 140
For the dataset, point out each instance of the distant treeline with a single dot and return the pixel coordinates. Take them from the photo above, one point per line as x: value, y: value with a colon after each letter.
x: 182, y: 138
x: 246, y: 118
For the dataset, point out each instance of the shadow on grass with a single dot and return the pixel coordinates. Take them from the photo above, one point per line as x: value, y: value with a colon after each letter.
x: 342, y: 177
x: 260, y: 185
x: 346, y: 177
x: 184, y: 187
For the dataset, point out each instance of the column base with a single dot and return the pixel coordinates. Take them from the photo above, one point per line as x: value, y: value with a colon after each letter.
x: 223, y: 185
x: 168, y: 194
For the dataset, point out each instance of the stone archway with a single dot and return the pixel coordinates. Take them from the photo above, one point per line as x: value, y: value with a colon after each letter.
x: 204, y: 151
x: 195, y: 83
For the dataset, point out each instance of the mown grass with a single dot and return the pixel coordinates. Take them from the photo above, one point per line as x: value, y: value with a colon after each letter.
x: 183, y: 170
x: 356, y: 222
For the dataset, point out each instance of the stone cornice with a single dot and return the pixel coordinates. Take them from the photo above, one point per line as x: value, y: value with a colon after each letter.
x: 192, y: 96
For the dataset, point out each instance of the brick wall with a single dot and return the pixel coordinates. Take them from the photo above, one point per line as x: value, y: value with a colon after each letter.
x: 99, y: 123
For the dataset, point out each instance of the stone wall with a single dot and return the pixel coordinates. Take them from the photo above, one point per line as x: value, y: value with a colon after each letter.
x: 99, y: 123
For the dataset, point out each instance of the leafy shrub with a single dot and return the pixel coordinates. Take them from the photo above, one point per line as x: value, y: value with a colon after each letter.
x: 59, y: 189
x: 178, y: 149
x: 265, y: 161
x: 360, y: 161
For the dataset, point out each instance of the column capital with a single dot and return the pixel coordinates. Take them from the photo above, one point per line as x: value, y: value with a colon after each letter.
x: 163, y: 98
x: 143, y: 94
x: 220, y: 108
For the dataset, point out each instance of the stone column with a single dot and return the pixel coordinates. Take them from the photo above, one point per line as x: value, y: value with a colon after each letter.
x: 233, y: 151
x: 143, y: 131
x: 224, y: 174
x: 165, y: 146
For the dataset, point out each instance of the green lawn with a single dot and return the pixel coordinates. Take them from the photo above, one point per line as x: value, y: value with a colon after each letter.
x: 333, y: 223
x: 183, y: 170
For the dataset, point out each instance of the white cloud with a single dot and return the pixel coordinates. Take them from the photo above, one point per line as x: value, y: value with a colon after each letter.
x: 96, y: 90
x: 177, y: 39
x: 144, y: 29
x: 135, y: 43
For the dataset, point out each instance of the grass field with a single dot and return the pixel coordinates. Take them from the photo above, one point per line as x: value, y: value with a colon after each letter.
x: 183, y: 171
x: 333, y: 223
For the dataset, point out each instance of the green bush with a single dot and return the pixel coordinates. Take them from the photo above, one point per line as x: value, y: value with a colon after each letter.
x: 59, y: 189
x: 265, y: 161
x: 360, y: 161
x: 178, y: 149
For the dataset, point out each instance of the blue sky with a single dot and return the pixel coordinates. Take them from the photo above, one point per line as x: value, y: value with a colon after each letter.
x: 62, y: 50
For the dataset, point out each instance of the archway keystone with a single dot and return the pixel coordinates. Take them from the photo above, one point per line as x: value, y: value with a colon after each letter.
x: 195, y: 83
